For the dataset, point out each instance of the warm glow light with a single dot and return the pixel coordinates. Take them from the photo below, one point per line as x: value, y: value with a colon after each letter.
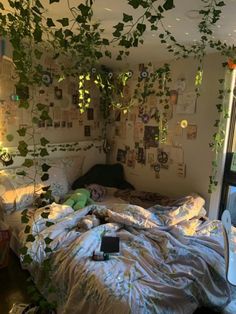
x: 108, y: 9
x: 184, y: 124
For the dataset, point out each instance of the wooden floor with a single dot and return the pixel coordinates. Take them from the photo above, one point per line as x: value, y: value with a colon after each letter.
x: 13, y: 286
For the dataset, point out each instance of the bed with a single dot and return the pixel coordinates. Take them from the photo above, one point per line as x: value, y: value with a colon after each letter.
x: 170, y: 260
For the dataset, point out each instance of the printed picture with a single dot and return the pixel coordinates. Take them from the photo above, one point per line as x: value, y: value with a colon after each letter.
x: 87, y: 130
x: 141, y: 156
x: 121, y: 155
x: 173, y: 97
x: 90, y: 114
x: 151, y: 134
x: 57, y: 93
x: 57, y: 124
x: 192, y: 132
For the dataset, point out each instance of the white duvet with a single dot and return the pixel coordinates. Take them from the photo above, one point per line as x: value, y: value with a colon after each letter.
x: 160, y: 268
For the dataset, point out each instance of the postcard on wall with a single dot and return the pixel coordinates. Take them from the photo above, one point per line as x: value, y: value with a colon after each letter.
x: 186, y: 103
x: 131, y: 158
x: 177, y: 154
x: 181, y: 170
x: 121, y: 155
x: 150, y: 136
x: 138, y: 131
x: 192, y: 132
x: 58, y: 93
x: 87, y: 130
x: 173, y: 97
x: 90, y: 114
x: 141, y: 156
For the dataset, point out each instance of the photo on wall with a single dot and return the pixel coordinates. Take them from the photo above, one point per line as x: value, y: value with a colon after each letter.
x: 151, y: 134
x: 121, y: 155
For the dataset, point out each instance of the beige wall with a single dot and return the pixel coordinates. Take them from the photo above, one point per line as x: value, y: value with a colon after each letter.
x: 197, y: 155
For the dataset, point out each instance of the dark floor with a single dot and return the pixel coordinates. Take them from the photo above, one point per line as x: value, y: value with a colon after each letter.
x: 13, y: 285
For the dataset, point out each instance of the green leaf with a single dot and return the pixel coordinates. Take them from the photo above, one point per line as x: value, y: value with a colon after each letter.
x: 28, y: 163
x: 1, y: 6
x: 27, y: 259
x: 22, y: 131
x: 47, y: 250
x: 23, y: 148
x: 43, y: 152
x: 168, y: 5
x: 64, y: 22
x: 51, y: 1
x: 127, y: 18
x: 23, y: 104
x: 24, y: 219
x: 134, y: 3
x: 45, y: 215
x: 105, y: 42
x: 21, y: 173
x: 84, y: 9
x: 47, y: 240
x: 50, y: 22
x: 45, y: 167
x: 141, y: 28
x: 45, y: 177
x: 30, y: 238
x: 10, y: 137
x: 49, y: 223
x: 40, y: 106
x: 27, y: 229
x: 35, y: 120
x: 24, y: 250
x: 44, y: 141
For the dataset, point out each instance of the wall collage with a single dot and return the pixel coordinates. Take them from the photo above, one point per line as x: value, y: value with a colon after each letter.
x: 67, y: 123
x: 133, y: 136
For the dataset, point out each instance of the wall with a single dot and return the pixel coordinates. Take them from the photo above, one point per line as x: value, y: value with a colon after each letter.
x: 193, y: 153
x: 68, y: 125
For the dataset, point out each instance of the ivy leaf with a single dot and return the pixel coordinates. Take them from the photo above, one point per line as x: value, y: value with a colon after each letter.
x: 23, y: 148
x: 35, y: 120
x: 127, y: 18
x: 134, y: 3
x: 27, y: 259
x: 49, y: 223
x: 51, y: 1
x: 168, y: 5
x: 84, y: 9
x: 64, y: 22
x: 28, y: 163
x: 45, y: 177
x: 43, y: 152
x: 47, y: 250
x: 46, y: 188
x: 21, y: 173
x: 1, y: 6
x: 23, y: 250
x: 50, y: 22
x: 24, y: 104
x: 40, y: 106
x: 45, y: 167
x: 30, y: 238
x: 141, y: 28
x: 47, y: 240
x: 44, y: 141
x: 45, y: 116
x: 105, y: 42
x: 10, y: 137
x: 27, y: 229
x: 45, y: 215
x: 24, y: 219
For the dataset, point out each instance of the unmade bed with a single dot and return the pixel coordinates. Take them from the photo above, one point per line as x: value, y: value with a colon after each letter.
x: 170, y: 259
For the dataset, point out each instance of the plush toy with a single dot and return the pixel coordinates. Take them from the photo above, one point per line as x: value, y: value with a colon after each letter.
x: 88, y: 222
x: 79, y: 199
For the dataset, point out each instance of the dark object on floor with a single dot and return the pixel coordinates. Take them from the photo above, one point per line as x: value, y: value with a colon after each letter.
x: 106, y: 175
x: 13, y: 285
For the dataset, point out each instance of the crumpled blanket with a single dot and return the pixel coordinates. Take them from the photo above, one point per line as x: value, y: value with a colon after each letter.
x: 159, y: 269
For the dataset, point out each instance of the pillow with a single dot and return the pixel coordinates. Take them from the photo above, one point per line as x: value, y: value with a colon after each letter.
x: 73, y: 167
x: 17, y: 191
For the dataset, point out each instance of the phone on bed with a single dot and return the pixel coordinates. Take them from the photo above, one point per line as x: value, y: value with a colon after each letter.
x: 110, y: 244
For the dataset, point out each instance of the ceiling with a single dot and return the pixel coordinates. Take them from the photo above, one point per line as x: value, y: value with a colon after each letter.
x: 182, y: 21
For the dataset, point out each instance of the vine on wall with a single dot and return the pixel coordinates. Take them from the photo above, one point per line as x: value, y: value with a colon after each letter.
x: 80, y: 44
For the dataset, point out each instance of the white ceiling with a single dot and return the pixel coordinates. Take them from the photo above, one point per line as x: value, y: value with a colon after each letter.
x: 177, y: 20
